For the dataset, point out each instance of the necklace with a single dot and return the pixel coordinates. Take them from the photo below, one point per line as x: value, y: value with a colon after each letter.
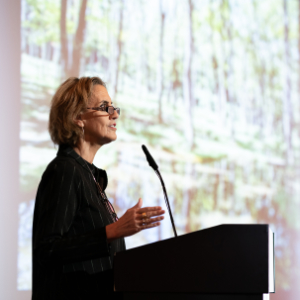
x: 110, y: 209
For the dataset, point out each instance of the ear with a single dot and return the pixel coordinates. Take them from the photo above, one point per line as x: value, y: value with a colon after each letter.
x: 78, y: 121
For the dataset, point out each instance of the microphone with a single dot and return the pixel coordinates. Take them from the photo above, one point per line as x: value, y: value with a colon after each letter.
x: 153, y: 164
x: 150, y: 159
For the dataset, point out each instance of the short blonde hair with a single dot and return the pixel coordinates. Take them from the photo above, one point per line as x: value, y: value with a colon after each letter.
x: 70, y: 99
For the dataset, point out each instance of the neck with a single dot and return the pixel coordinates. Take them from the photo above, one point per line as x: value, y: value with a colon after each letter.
x: 86, y: 150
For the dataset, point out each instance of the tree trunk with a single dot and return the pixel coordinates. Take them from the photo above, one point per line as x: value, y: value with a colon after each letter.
x: 63, y: 37
x: 219, y: 90
x: 78, y: 42
x: 188, y: 194
x: 228, y: 72
x: 119, y: 49
x: 72, y: 69
x: 160, y: 80
x: 187, y: 79
x: 188, y: 103
x: 215, y: 191
x: 287, y: 116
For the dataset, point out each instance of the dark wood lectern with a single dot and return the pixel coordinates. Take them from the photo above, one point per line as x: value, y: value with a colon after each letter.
x: 226, y: 262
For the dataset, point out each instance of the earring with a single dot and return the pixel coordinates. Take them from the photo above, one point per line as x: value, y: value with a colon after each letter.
x: 82, y: 132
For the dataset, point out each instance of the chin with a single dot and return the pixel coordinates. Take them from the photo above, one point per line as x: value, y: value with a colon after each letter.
x: 108, y: 140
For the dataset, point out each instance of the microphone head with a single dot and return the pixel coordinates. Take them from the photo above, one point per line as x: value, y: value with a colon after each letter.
x: 150, y: 159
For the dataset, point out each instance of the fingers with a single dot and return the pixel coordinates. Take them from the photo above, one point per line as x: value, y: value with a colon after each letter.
x: 139, y: 204
x: 148, y: 209
x: 150, y: 220
x: 136, y: 219
x: 146, y: 215
x: 142, y: 227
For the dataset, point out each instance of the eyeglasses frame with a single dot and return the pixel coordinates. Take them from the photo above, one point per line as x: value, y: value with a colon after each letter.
x: 99, y: 108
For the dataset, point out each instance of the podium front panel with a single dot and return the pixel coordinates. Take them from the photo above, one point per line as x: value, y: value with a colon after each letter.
x: 226, y: 259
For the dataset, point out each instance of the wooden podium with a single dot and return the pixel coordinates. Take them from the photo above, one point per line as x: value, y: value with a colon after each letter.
x: 226, y: 262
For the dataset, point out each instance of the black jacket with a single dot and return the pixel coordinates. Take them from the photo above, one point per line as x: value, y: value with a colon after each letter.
x: 71, y: 256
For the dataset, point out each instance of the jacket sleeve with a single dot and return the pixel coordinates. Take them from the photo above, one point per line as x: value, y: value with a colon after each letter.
x: 57, y: 202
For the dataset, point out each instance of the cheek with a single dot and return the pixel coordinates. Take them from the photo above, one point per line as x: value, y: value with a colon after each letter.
x: 100, y: 127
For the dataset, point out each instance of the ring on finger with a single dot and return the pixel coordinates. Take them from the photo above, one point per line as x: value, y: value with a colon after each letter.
x: 144, y: 216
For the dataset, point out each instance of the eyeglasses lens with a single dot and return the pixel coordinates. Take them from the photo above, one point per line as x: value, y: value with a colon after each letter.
x: 111, y: 110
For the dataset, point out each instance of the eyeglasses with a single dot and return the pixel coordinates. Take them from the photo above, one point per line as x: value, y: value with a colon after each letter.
x: 109, y: 109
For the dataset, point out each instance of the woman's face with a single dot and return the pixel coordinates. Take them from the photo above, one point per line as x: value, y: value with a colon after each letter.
x: 99, y: 127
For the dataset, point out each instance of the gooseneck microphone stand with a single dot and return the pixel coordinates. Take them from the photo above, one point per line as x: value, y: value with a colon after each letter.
x: 154, y: 166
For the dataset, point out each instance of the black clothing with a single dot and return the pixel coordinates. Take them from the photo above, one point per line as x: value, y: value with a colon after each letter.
x: 70, y: 249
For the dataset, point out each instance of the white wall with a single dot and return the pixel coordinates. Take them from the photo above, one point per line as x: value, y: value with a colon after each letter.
x: 9, y: 145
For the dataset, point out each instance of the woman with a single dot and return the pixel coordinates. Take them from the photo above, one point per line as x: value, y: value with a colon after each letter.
x: 75, y: 230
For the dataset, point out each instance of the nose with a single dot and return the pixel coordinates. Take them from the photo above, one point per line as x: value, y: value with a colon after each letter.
x: 114, y: 116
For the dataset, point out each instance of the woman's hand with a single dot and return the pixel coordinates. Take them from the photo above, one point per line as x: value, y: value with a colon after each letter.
x: 134, y: 220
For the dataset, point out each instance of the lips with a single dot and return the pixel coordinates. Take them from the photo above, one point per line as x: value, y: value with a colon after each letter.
x: 113, y: 126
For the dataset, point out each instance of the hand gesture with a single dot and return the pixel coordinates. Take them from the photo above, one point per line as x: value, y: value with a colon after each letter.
x: 134, y: 220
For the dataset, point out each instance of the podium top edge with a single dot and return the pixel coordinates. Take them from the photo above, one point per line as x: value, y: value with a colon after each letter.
x: 201, y: 230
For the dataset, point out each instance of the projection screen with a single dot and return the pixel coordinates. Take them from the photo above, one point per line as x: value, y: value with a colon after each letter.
x: 211, y: 87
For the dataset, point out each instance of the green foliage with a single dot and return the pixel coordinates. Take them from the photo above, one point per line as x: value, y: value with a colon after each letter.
x: 42, y: 21
x: 226, y: 80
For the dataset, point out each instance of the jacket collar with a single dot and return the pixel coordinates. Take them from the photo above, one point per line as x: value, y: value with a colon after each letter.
x: 67, y: 150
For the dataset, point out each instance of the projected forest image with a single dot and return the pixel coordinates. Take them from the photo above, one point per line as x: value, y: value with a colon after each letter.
x: 212, y: 89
